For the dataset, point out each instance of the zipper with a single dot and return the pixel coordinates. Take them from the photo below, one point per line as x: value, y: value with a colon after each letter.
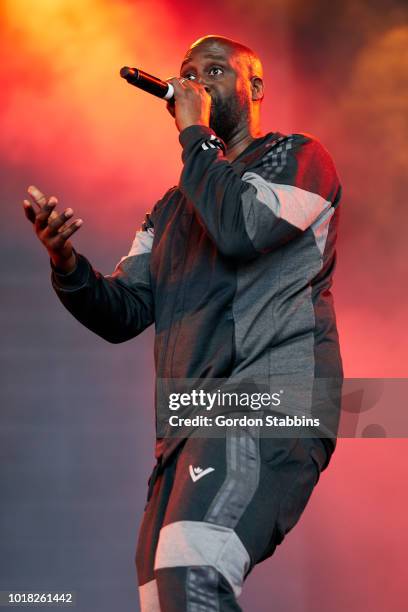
x: 180, y: 291
x: 171, y: 330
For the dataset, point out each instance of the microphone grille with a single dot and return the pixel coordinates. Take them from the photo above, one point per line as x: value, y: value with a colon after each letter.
x: 126, y: 72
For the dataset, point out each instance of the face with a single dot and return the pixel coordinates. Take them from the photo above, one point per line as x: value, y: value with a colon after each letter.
x: 216, y: 68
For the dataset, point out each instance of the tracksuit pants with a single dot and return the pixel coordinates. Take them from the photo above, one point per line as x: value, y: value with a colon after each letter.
x: 217, y: 508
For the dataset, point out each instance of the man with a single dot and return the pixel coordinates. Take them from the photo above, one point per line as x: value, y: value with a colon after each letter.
x: 234, y: 265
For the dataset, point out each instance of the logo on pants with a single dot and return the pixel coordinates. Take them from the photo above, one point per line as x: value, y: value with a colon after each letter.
x: 196, y: 472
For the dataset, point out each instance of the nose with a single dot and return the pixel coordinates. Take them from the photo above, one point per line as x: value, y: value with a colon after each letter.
x: 201, y: 81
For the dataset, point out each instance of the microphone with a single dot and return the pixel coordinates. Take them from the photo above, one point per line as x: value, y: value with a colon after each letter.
x: 147, y: 82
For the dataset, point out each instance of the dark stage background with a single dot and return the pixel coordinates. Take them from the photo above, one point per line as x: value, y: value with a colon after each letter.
x: 76, y: 436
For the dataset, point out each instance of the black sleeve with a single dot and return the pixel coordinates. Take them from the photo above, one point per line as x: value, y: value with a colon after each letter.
x: 252, y: 215
x: 116, y: 306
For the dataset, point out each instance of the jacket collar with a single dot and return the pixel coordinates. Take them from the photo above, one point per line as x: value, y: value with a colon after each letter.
x: 255, y: 151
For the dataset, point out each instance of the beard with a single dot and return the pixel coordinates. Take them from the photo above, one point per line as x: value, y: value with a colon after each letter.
x: 226, y: 115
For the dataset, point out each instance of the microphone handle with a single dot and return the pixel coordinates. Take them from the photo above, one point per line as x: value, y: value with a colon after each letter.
x: 147, y: 82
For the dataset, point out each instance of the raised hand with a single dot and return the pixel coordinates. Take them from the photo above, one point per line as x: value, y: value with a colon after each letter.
x: 191, y: 104
x: 52, y: 228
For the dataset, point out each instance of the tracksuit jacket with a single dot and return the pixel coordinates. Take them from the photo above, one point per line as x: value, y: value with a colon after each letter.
x: 233, y: 265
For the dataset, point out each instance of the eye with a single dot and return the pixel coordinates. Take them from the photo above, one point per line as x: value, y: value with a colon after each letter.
x: 189, y: 76
x: 216, y: 68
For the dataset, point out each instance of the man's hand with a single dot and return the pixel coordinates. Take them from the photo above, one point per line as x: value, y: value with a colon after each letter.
x: 192, y: 103
x: 52, y: 228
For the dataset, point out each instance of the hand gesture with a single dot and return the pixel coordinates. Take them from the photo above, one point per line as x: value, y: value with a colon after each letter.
x: 52, y: 228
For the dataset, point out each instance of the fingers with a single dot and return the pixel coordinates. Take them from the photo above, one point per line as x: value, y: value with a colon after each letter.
x: 42, y: 217
x: 179, y: 87
x: 29, y: 211
x: 58, y: 221
x: 53, y: 213
x: 55, y: 239
x: 37, y: 196
x: 40, y: 199
x: 46, y: 212
x: 70, y: 229
x: 59, y: 227
x: 186, y: 86
x: 48, y: 221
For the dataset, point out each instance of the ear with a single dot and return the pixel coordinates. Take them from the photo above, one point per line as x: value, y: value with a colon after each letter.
x: 257, y: 88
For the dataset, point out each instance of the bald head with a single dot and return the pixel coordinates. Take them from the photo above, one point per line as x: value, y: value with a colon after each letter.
x: 245, y: 57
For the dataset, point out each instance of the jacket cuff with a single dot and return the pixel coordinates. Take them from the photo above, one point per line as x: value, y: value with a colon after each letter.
x: 75, y: 279
x: 193, y: 134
